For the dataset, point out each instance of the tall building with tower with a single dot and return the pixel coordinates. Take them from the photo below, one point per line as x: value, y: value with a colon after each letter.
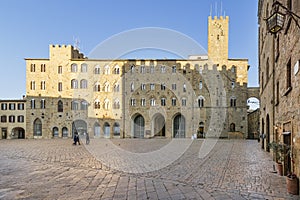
x: 141, y: 98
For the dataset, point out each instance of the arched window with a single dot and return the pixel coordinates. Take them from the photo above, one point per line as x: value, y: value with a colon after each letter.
x: 83, y: 84
x: 106, y: 87
x: 60, y: 106
x: 84, y: 105
x: 184, y: 87
x: 200, y: 85
x: 97, y: 69
x: 84, y: 67
x: 117, y: 69
x: 55, y: 132
x: 65, y: 132
x: 106, y: 104
x: 233, y: 102
x: 132, y: 87
x: 116, y: 87
x: 201, y: 102
x: 106, y: 69
x: 97, y: 104
x: 74, y: 105
x: 116, y: 104
x: 74, y: 84
x: 232, y: 83
x: 97, y: 87
x: 142, y: 69
x: 37, y: 127
x: 132, y: 68
x: 74, y: 67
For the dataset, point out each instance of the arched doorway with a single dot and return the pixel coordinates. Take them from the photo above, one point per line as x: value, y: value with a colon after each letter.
x: 158, y: 125
x: 138, y: 126
x: 97, y: 130
x: 80, y: 126
x: 18, y: 132
x: 116, y: 129
x: 37, y: 127
x: 55, y: 132
x: 106, y: 130
x: 179, y: 126
x: 232, y: 127
x: 65, y: 132
x: 200, y: 132
x: 267, y: 133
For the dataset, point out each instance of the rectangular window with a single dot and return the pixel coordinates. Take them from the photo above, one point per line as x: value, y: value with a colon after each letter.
x: 32, y: 104
x: 143, y: 102
x: 43, y: 104
x: 183, y: 102
x: 143, y: 86
x: 174, y: 69
x: 43, y: 85
x: 20, y: 106
x: 32, y: 68
x: 133, y: 102
x: 152, y: 102
x: 173, y: 101
x: 163, y: 102
x: 3, y: 118
x: 163, y: 86
x: 163, y: 69
x: 289, y: 75
x: 3, y: 106
x: 43, y: 67
x: 174, y: 86
x: 11, y: 119
x: 20, y: 118
x: 152, y: 86
x: 12, y: 106
x: 60, y: 86
x: 152, y: 69
x: 60, y: 69
x: 142, y: 71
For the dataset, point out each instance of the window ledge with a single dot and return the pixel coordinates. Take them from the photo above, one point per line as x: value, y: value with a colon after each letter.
x: 287, y: 91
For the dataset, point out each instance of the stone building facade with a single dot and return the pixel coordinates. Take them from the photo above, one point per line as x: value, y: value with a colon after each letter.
x: 141, y: 98
x: 13, y: 119
x: 279, y: 81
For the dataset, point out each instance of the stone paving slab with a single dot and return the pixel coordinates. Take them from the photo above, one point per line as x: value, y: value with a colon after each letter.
x: 56, y: 169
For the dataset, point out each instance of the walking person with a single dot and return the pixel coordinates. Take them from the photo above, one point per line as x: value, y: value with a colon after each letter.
x: 76, y: 138
x: 87, y: 138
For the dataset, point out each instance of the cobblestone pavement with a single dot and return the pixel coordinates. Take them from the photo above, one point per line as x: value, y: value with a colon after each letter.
x: 56, y: 169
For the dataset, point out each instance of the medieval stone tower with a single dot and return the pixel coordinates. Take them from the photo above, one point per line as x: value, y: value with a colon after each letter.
x: 218, y: 39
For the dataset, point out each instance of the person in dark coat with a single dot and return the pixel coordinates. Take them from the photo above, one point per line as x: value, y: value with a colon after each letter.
x: 76, y: 138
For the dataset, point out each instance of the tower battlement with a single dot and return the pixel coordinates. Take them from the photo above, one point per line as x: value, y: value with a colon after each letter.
x: 58, y: 51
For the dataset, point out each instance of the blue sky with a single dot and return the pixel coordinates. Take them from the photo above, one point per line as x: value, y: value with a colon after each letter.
x: 28, y: 27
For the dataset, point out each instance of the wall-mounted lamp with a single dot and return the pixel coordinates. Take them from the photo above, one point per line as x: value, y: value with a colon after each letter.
x: 276, y: 21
